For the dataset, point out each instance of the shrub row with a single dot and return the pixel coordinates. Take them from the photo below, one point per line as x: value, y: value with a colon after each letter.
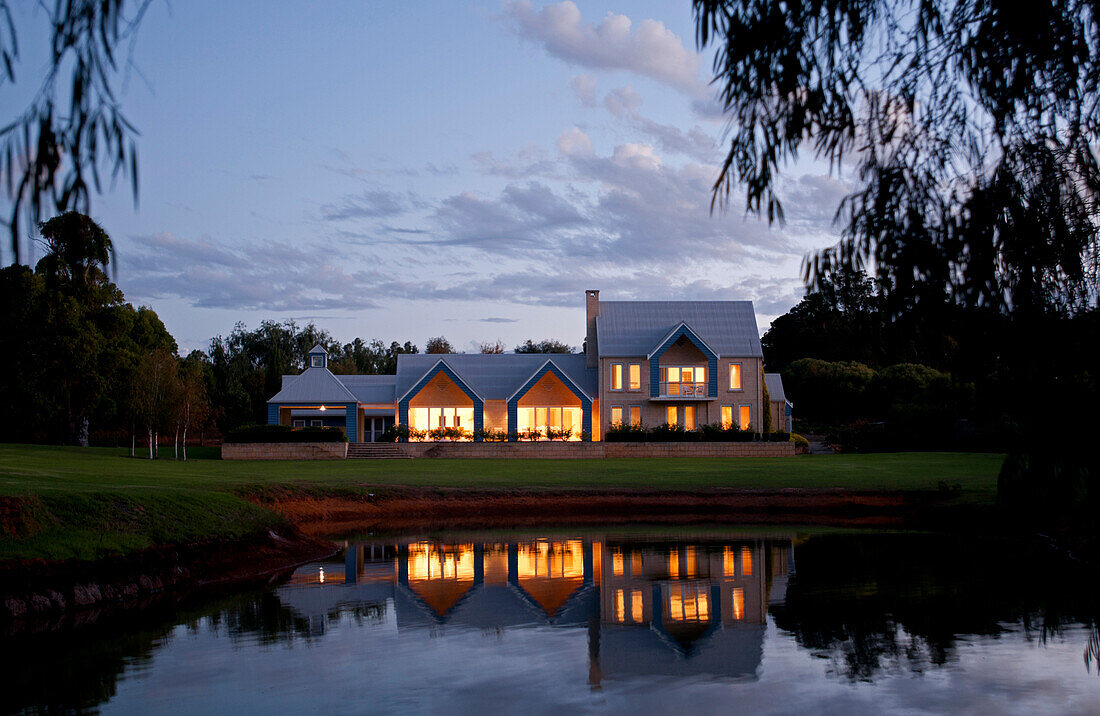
x: 284, y: 434
x: 713, y: 432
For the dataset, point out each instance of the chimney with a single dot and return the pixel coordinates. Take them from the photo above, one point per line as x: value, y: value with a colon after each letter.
x: 591, y: 340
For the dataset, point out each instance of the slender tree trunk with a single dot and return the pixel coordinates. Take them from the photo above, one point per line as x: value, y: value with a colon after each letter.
x: 185, y: 442
x: 150, y: 443
x: 156, y: 444
x: 176, y: 443
x: 133, y: 439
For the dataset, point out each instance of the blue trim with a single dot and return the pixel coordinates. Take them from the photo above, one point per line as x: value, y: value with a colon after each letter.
x: 551, y: 367
x: 324, y: 360
x: 441, y: 367
x: 655, y: 358
x: 272, y: 414
x: 351, y: 421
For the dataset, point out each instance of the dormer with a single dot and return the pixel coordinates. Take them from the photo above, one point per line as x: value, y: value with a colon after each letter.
x: 318, y: 357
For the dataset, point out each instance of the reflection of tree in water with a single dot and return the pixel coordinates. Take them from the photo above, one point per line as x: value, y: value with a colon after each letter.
x: 899, y: 602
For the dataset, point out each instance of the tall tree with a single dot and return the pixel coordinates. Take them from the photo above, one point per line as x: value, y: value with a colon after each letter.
x: 972, y: 124
x: 78, y: 251
x: 439, y: 344
x: 547, y: 345
x: 495, y: 348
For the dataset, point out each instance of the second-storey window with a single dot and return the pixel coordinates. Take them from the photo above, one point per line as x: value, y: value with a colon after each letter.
x: 735, y: 376
x: 616, y: 376
x: 635, y: 376
x: 685, y: 380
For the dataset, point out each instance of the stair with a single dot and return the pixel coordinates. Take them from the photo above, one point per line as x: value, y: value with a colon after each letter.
x: 376, y: 451
x: 817, y: 445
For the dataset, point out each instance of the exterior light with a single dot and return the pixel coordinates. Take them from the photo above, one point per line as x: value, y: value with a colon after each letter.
x: 323, y: 408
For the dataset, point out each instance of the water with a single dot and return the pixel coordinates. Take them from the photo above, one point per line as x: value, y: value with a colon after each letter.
x: 706, y: 620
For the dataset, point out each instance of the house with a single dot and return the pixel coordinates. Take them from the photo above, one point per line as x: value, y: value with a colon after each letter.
x: 685, y: 363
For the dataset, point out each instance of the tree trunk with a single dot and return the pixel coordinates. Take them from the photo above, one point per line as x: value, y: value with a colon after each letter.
x: 156, y: 444
x: 133, y: 440
x: 185, y: 442
x: 176, y: 443
x: 150, y: 443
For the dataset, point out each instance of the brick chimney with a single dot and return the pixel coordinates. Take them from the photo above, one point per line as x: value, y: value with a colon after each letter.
x: 591, y: 340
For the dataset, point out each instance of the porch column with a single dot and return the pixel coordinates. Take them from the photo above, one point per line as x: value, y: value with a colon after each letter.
x: 351, y: 421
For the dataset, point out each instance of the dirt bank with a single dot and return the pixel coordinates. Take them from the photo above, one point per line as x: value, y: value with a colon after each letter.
x: 435, y: 509
x: 37, y: 595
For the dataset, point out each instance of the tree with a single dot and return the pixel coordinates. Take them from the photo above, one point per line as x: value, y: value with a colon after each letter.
x: 77, y: 252
x: 439, y: 344
x: 547, y: 345
x: 972, y: 132
x: 192, y: 406
x: 492, y: 348
x: 72, y: 130
x: 152, y: 391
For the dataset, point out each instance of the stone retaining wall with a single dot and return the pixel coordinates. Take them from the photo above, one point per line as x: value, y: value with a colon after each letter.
x: 284, y: 451
x: 594, y: 450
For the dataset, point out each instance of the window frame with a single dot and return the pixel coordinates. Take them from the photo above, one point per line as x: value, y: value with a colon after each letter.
x: 316, y: 423
x: 632, y: 369
x: 635, y: 409
x: 611, y: 381
x: 674, y: 412
x: 722, y: 417
x: 689, y: 424
x: 741, y: 407
x: 740, y: 379
x: 298, y: 423
x: 316, y: 361
x: 613, y: 409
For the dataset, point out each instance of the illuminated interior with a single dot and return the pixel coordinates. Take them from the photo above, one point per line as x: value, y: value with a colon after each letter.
x: 735, y: 376
x: 556, y: 417
x: 635, y: 415
x: 635, y: 376
x: 670, y: 415
x: 447, y: 417
x: 727, y: 416
x: 738, y: 603
x: 729, y: 562
x: 440, y: 574
x: 685, y: 380
x: 617, y: 415
x: 688, y: 601
x: 745, y: 414
x: 550, y: 571
x: 746, y: 562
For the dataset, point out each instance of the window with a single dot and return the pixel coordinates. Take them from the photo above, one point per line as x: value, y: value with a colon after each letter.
x: 635, y: 376
x: 616, y: 415
x: 616, y: 376
x: 685, y: 380
x: 689, y: 417
x: 727, y: 417
x: 317, y: 361
x: 636, y: 415
x: 735, y: 376
x: 555, y: 417
x: 744, y: 417
x: 316, y: 423
x: 670, y: 415
x: 298, y: 423
x: 435, y: 418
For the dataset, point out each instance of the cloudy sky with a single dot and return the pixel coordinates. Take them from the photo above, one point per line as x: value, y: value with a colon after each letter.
x: 403, y: 170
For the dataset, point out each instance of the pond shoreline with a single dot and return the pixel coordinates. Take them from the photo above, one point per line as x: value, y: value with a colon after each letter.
x: 37, y: 594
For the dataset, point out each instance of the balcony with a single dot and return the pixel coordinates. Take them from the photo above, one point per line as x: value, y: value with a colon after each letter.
x: 683, y: 390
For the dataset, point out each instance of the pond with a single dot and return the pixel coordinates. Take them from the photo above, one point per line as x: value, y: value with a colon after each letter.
x: 658, y: 621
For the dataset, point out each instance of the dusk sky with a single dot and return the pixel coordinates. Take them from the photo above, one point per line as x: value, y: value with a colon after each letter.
x: 404, y: 170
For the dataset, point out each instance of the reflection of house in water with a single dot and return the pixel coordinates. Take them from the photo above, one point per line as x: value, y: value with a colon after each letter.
x: 649, y: 608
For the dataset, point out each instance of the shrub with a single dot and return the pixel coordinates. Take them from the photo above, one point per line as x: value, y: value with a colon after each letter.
x: 777, y: 437
x: 490, y: 435
x: 284, y: 434
x: 800, y: 441
x: 625, y: 433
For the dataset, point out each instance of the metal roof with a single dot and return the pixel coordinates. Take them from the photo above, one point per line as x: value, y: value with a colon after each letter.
x: 494, y: 376
x: 634, y: 328
x: 318, y: 349
x: 314, y: 385
x: 371, y: 388
x: 774, y: 383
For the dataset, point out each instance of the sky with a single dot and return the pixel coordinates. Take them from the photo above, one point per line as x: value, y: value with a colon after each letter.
x: 404, y: 170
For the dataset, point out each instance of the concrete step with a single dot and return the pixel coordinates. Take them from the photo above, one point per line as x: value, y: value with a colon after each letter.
x: 376, y: 451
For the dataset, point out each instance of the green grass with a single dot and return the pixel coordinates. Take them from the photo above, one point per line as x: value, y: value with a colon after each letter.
x: 88, y: 502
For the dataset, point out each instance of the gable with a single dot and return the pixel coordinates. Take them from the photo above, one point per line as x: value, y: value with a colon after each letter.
x: 634, y: 328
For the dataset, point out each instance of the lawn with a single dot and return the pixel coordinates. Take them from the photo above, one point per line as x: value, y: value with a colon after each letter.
x: 57, y: 503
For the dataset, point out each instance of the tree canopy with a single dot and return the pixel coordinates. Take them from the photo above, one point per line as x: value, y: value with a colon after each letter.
x: 971, y: 125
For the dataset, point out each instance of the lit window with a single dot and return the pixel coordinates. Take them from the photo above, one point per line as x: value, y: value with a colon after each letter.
x: 670, y: 415
x: 746, y: 562
x: 616, y: 415
x: 735, y: 376
x: 689, y: 417
x: 635, y: 376
x: 745, y: 417
x: 616, y: 376
x: 738, y: 604
x: 727, y: 416
x: 685, y: 380
x: 635, y: 415
x: 554, y: 417
x: 317, y: 361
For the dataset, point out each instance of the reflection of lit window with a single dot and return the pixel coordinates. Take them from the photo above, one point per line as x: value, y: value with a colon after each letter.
x: 430, y: 562
x: 620, y: 606
x: 738, y: 603
x: 636, y: 605
x: 561, y: 560
x: 689, y: 559
x: 674, y: 564
x: 729, y: 562
x: 688, y: 602
x: 617, y: 564
x: 636, y: 564
x: 746, y: 562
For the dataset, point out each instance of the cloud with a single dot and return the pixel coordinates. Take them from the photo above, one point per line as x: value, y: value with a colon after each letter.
x: 624, y: 104
x: 369, y: 204
x: 584, y: 86
x: 650, y: 49
x: 498, y: 319
x: 523, y: 215
x: 574, y: 142
x: 622, y: 101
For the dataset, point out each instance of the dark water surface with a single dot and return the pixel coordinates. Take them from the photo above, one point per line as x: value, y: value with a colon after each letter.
x: 695, y: 621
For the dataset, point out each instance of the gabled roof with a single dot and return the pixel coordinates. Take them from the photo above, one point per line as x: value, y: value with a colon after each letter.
x: 634, y: 328
x: 569, y: 382
x: 318, y: 349
x: 494, y: 377
x: 378, y: 389
x: 314, y: 385
x: 438, y: 365
x: 684, y: 330
x: 774, y: 383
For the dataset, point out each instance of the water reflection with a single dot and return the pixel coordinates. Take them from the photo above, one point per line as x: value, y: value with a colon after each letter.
x: 636, y: 618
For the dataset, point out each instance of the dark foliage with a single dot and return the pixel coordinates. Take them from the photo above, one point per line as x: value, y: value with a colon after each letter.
x: 284, y: 434
x: 547, y: 345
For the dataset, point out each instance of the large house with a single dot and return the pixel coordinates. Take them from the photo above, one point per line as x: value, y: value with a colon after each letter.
x: 646, y: 363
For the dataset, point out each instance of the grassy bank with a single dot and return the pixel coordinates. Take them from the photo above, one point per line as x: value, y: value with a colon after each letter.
x: 57, y: 503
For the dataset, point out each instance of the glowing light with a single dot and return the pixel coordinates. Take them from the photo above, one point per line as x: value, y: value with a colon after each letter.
x: 636, y: 605
x: 729, y: 562
x: 617, y: 564
x: 620, y: 606
x: 746, y: 562
x: 738, y: 604
x: 323, y: 408
x: 321, y: 575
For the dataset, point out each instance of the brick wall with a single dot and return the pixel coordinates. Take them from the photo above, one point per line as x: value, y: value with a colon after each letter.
x: 573, y: 450
x: 284, y: 451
